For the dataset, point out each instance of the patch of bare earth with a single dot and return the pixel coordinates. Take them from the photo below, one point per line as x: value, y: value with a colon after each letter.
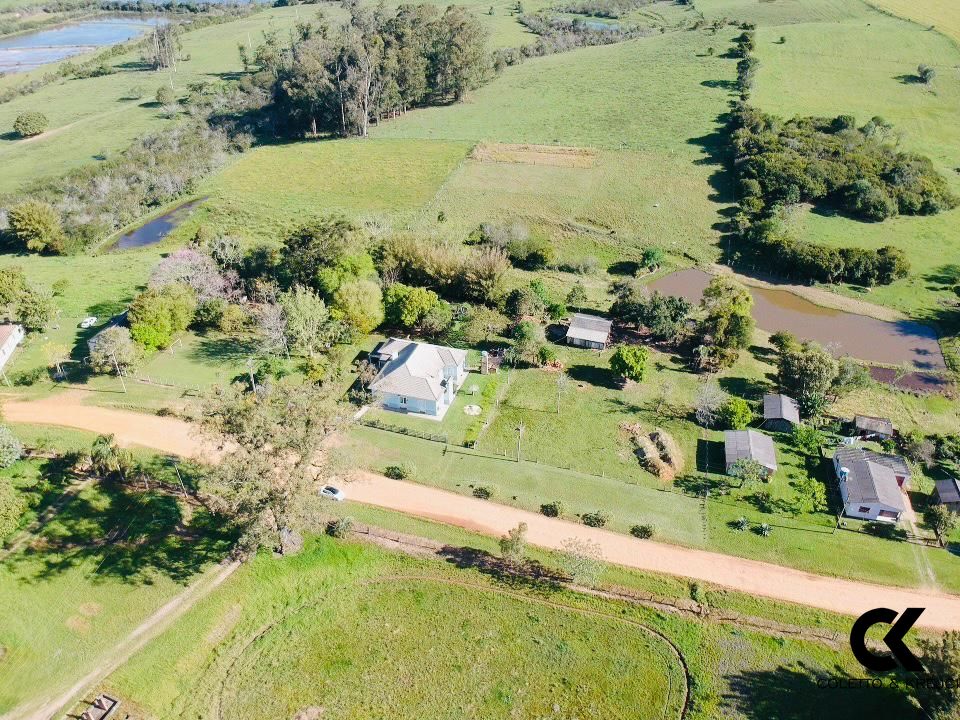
x: 553, y: 155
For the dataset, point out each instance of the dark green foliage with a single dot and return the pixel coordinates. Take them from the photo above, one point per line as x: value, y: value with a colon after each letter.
x: 630, y: 362
x: 643, y: 532
x: 552, y: 509
x: 398, y: 472
x: 665, y: 316
x: 736, y: 414
x: 157, y: 316
x: 31, y: 123
x: 483, y: 492
x: 831, y: 162
x: 595, y: 519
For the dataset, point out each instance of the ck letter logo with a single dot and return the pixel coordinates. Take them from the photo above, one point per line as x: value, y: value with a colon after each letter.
x: 893, y: 640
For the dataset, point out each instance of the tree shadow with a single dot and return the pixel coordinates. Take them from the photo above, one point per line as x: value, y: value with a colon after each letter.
x: 729, y: 85
x: 128, y: 533
x: 624, y: 267
x: 909, y: 79
x: 597, y: 376
x: 530, y: 575
x: 698, y: 485
x: 711, y: 456
x: 746, y: 388
x: 792, y: 692
x: 222, y: 349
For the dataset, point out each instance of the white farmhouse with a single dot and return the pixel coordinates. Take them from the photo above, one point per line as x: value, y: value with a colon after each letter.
x: 418, y: 377
x: 870, y: 483
x: 10, y: 337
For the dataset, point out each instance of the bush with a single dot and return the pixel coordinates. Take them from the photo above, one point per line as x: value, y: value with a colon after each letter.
x: 209, y: 313
x: 552, y: 509
x: 37, y: 226
x: 764, y: 530
x: 398, y: 472
x: 340, y: 528
x: 11, y: 449
x: 233, y: 320
x: 741, y: 524
x: 644, y: 532
x: 165, y: 95
x: 735, y: 414
x: 595, y: 519
x: 29, y: 124
x: 483, y: 492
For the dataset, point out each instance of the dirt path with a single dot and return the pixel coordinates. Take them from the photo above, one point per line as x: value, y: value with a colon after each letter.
x: 131, y: 428
x: 848, y: 597
x: 136, y: 640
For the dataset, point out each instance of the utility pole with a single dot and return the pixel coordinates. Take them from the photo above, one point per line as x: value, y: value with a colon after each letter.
x: 177, y: 469
x: 119, y: 373
x: 520, y: 429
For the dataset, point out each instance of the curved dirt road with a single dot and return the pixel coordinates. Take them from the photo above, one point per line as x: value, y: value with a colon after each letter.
x: 848, y: 597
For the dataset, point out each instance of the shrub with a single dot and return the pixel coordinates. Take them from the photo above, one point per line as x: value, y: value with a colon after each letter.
x: 11, y: 449
x: 630, y: 362
x: 233, y: 320
x: 741, y: 524
x: 398, y: 472
x: 697, y: 594
x: 595, y: 519
x: 735, y: 414
x: 165, y: 95
x: 552, y: 509
x: 764, y: 530
x: 37, y: 225
x: 29, y: 124
x: 546, y: 355
x: 209, y: 313
x: 644, y: 532
x: 111, y: 348
x: 340, y: 528
x: 483, y: 492
x: 157, y: 316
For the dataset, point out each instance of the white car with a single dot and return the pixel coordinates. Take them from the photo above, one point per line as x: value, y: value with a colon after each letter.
x: 332, y: 493
x: 88, y: 322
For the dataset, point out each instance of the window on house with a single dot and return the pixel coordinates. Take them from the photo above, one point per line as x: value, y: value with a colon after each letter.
x: 864, y: 509
x: 403, y: 401
x: 889, y: 514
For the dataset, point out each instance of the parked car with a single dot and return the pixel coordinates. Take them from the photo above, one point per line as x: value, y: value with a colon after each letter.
x: 88, y: 322
x: 332, y: 493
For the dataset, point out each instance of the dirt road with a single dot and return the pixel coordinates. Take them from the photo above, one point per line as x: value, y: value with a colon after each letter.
x: 750, y: 576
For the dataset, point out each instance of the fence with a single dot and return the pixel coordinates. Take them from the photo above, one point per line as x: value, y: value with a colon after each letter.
x: 401, y: 430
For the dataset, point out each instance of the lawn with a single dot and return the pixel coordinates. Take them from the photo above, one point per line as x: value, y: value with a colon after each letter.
x: 944, y: 15
x: 380, y: 635
x: 110, y: 557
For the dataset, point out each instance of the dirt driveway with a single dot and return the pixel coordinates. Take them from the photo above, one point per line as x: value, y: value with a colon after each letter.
x: 848, y: 597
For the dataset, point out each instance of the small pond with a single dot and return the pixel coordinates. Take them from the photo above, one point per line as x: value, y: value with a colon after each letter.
x: 20, y: 53
x: 862, y: 337
x: 152, y: 232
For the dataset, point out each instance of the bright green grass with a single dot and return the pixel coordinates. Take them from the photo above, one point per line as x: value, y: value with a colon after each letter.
x: 366, y: 645
x: 781, y: 12
x: 273, y: 189
x: 69, y: 596
x: 91, y: 117
x: 944, y: 15
x: 653, y: 94
x: 863, y: 66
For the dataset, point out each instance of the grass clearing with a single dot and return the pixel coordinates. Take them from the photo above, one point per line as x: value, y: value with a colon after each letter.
x: 110, y: 557
x: 454, y: 651
x: 942, y: 15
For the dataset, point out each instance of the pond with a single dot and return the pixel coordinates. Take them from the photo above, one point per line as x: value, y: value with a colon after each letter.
x: 20, y: 53
x: 862, y: 337
x: 152, y: 232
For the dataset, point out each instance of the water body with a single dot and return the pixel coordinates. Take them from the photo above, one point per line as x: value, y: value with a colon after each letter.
x: 20, y: 53
x: 154, y: 231
x: 860, y: 336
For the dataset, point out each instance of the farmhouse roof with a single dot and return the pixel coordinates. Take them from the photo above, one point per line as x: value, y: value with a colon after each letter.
x: 881, y: 426
x: 948, y: 490
x: 872, y: 476
x: 750, y: 445
x: 7, y: 331
x: 415, y: 369
x: 780, y: 407
x: 589, y: 327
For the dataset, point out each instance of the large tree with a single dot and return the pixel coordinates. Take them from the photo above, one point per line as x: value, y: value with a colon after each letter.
x: 265, y: 483
x: 38, y: 226
x: 309, y: 326
x: 807, y: 373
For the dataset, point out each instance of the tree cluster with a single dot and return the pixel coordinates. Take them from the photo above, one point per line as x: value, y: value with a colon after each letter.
x: 380, y: 63
x: 31, y: 306
x: 832, y: 162
x: 665, y: 316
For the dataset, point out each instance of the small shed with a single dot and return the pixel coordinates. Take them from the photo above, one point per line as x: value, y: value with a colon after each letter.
x: 948, y: 493
x: 780, y: 412
x: 749, y: 445
x: 589, y: 331
x: 873, y: 428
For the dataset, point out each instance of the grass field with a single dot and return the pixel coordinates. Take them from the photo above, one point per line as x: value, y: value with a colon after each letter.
x: 108, y: 559
x: 425, y: 640
x: 943, y: 15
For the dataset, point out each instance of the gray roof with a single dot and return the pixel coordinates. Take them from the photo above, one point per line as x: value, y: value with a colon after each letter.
x: 589, y: 327
x: 416, y: 369
x: 780, y: 407
x: 882, y: 426
x: 872, y: 476
x: 948, y: 490
x: 752, y: 445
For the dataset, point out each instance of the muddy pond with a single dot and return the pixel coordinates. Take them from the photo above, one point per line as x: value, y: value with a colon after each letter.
x: 26, y: 51
x: 846, y: 333
x: 153, y: 231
